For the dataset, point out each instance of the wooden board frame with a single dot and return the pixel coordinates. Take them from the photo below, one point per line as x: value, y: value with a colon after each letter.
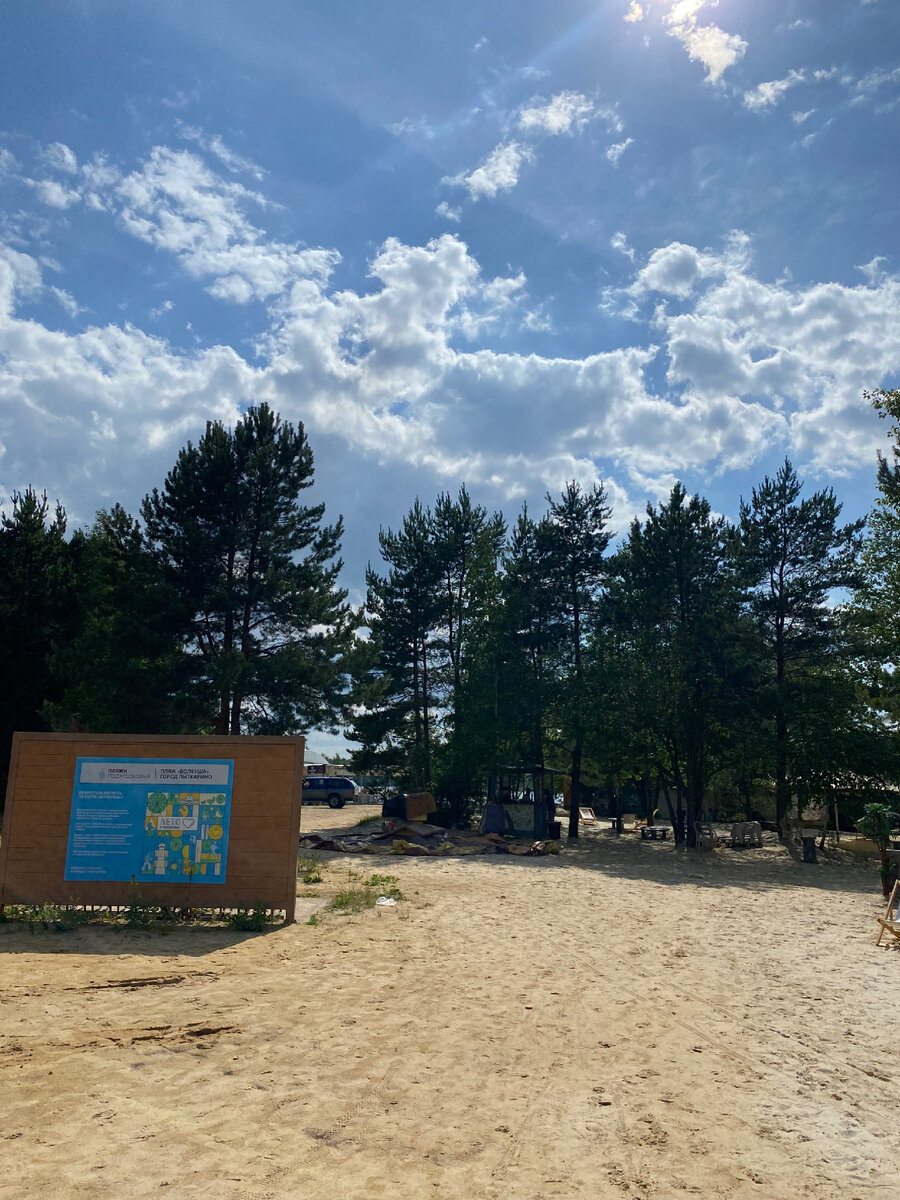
x: 263, y: 838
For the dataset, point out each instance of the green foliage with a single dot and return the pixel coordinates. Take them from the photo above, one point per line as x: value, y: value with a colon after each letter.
x: 876, y: 823
x: 51, y: 917
x: 385, y: 885
x: 396, y: 726
x: 139, y: 914
x: 124, y: 671
x: 352, y: 900
x: 876, y: 605
x: 678, y: 647
x: 794, y: 555
x: 271, y: 637
x: 248, y: 919
x: 574, y: 538
x: 308, y: 870
x: 37, y: 615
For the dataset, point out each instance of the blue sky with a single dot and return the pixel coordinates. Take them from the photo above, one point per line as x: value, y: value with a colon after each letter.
x: 508, y: 245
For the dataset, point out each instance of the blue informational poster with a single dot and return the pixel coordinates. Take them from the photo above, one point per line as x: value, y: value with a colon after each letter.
x: 153, y: 820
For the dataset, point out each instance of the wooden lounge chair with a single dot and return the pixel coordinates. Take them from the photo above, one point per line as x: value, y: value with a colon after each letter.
x: 890, y: 922
x: 587, y: 816
x: 706, y: 836
x: 739, y: 835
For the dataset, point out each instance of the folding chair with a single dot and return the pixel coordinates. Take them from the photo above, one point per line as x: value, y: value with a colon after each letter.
x: 890, y: 922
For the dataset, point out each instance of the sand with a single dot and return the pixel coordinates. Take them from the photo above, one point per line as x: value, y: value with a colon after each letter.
x: 623, y: 1020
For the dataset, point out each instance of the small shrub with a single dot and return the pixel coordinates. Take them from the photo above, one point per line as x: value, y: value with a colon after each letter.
x: 354, y: 900
x: 138, y: 913
x: 312, y: 920
x: 308, y: 870
x: 248, y: 920
x: 386, y: 885
x: 45, y: 916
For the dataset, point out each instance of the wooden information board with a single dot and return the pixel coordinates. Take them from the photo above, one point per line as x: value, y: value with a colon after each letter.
x: 44, y: 849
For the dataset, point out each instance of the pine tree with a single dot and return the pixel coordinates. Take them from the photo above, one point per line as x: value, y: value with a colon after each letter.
x: 795, y: 555
x: 37, y: 582
x: 125, y: 669
x: 402, y: 607
x: 577, y: 538
x: 677, y: 605
x: 879, y: 592
x: 271, y: 634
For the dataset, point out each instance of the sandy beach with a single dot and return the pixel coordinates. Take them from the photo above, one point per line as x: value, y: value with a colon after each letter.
x: 620, y: 1020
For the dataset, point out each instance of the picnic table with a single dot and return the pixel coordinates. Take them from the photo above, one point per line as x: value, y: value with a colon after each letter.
x: 654, y: 832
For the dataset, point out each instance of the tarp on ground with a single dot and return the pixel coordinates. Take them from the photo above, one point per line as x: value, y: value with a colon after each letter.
x: 426, y: 841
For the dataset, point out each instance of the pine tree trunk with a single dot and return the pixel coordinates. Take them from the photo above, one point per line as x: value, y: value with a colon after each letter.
x: 576, y: 785
x: 427, y: 780
x: 782, y: 786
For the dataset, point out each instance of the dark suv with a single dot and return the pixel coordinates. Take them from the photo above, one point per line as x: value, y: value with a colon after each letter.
x: 334, y: 790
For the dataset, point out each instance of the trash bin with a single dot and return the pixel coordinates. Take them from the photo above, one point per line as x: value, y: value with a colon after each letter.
x: 809, y: 850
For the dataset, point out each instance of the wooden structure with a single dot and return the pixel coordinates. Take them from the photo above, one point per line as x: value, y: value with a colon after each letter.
x: 264, y: 822
x: 890, y: 922
x: 520, y: 800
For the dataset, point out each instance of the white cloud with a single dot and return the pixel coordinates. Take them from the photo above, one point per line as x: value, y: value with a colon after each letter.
x: 412, y: 126
x: 388, y: 372
x: 564, y: 113
x: 807, y: 352
x: 161, y: 309
x: 213, y: 144
x: 20, y: 277
x: 799, y: 117
x: 872, y: 270
x: 498, y: 173
x: 451, y: 214
x: 60, y: 158
x: 708, y: 44
x: 767, y: 95
x: 537, y: 320
x: 66, y: 301
x: 177, y: 204
x: 55, y: 194
x: 872, y: 82
x: 635, y: 12
x: 676, y: 269
x: 614, y: 153
x: 619, y: 242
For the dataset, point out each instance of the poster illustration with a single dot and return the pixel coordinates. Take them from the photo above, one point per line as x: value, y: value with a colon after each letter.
x: 150, y: 819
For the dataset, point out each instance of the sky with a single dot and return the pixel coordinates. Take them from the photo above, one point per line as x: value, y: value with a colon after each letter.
x: 505, y: 245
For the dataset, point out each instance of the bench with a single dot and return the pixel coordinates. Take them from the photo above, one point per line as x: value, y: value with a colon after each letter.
x: 654, y: 832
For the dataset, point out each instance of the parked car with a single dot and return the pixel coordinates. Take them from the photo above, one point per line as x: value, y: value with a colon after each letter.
x: 334, y: 790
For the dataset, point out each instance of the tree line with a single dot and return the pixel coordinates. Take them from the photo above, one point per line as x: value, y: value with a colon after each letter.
x: 708, y: 663
x: 218, y: 611
x: 696, y: 660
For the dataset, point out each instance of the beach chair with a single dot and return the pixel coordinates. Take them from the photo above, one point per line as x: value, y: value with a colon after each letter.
x: 753, y: 834
x: 587, y: 816
x: 706, y: 836
x: 890, y: 922
x: 739, y: 835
